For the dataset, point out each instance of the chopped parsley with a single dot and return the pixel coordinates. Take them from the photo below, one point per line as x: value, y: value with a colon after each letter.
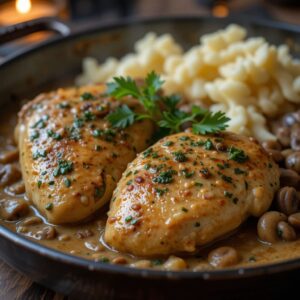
x: 67, y: 182
x: 35, y: 134
x: 226, y: 178
x: 208, y: 145
x: 54, y: 135
x: 39, y: 153
x: 188, y: 174
x: 97, y: 133
x: 88, y: 116
x: 147, y: 152
x: 86, y: 96
x: 168, y: 143
x: 108, y: 134
x: 74, y: 133
x: 179, y: 156
x: 134, y: 221
x: 196, y: 143
x: 63, y: 105
x: 239, y: 171
x: 154, y: 155
x: 160, y: 192
x: 227, y: 194
x: 164, y: 177
x: 41, y: 122
x: 64, y: 167
x: 223, y: 166
x: 205, y: 172
x: 128, y: 219
x: 78, y: 122
x: 237, y: 155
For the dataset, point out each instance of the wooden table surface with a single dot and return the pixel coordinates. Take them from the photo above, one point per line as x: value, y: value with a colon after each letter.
x: 15, y: 286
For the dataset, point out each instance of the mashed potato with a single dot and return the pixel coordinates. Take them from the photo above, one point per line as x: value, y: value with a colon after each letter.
x: 247, y: 78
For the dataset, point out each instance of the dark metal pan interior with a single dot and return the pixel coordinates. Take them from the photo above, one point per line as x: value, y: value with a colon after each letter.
x: 54, y: 64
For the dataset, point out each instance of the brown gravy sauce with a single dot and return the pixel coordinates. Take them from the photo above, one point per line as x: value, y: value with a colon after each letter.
x: 85, y: 240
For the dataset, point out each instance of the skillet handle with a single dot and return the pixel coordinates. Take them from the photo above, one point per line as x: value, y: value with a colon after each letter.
x: 13, y: 32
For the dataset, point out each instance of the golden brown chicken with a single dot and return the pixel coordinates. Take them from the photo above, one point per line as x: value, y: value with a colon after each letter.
x: 71, y: 159
x: 189, y: 190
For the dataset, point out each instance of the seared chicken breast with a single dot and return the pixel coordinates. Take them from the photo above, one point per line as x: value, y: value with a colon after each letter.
x: 189, y: 190
x: 71, y: 159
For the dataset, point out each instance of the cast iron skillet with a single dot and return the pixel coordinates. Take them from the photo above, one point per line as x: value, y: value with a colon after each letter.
x: 53, y: 63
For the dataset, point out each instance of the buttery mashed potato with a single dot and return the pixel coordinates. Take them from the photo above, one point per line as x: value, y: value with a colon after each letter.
x: 247, y: 78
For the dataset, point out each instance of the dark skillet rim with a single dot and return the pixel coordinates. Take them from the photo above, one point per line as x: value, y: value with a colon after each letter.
x: 245, y: 20
x: 92, y: 266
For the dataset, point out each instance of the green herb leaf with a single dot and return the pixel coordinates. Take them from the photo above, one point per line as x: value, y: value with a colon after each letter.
x: 122, y: 87
x: 211, y: 123
x: 160, y: 109
x: 122, y: 117
x: 153, y: 84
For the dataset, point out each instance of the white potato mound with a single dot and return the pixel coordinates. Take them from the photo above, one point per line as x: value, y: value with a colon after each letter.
x: 247, y: 78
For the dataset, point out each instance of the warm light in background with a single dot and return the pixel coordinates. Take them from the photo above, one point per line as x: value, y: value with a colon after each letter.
x: 23, y: 6
x: 220, y: 10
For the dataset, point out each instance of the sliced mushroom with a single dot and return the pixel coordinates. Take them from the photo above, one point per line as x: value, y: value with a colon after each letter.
x: 267, y: 226
x: 13, y: 209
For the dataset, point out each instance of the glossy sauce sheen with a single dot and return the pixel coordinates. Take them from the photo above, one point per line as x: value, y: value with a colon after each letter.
x: 86, y: 240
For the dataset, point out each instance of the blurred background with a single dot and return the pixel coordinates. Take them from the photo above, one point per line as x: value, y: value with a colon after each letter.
x: 80, y: 14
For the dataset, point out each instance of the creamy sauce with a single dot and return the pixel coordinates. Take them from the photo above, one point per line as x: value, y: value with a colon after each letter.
x: 85, y: 240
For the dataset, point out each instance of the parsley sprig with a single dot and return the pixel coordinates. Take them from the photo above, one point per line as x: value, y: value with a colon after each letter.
x: 163, y: 110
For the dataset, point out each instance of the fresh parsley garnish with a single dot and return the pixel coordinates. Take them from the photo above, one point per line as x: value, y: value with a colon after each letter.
x: 122, y: 117
x: 211, y: 123
x: 163, y: 110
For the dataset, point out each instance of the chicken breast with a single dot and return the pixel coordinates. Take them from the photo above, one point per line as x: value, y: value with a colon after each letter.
x: 71, y: 159
x: 189, y: 190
